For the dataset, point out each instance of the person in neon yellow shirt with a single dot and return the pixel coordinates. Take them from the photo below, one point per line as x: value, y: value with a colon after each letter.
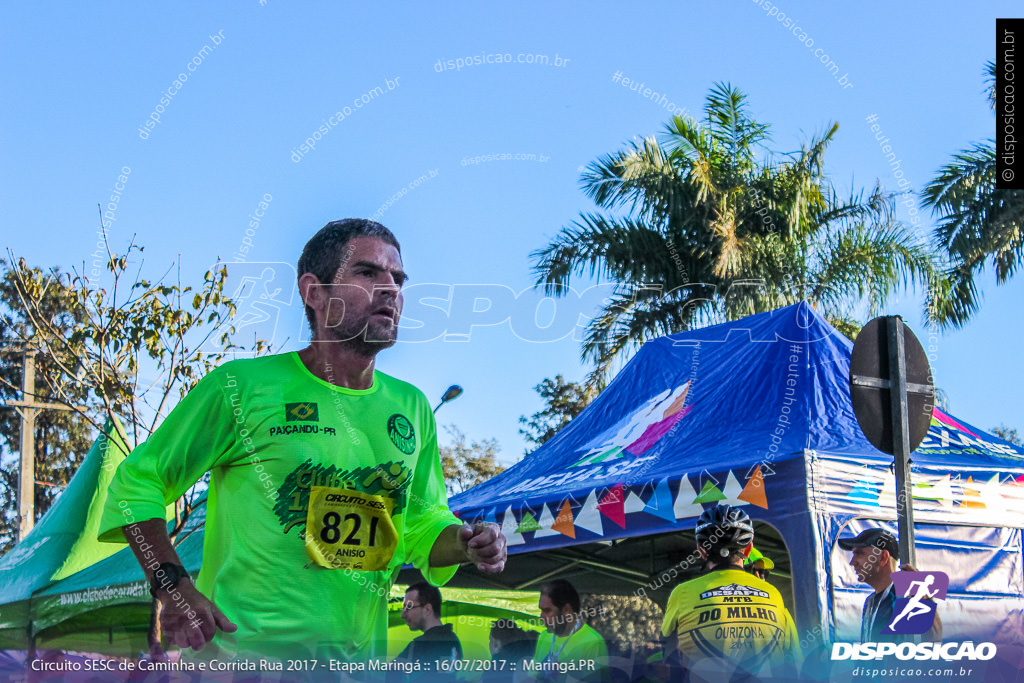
x: 727, y: 621
x: 325, y: 479
x: 570, y: 649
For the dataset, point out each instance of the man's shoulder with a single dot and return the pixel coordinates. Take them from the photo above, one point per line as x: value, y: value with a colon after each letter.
x: 395, y: 384
x: 399, y: 386
x: 258, y: 369
x: 687, y: 588
x: 442, y: 632
x: 591, y: 633
x: 280, y: 361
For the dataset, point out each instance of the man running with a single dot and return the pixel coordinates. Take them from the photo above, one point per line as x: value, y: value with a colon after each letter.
x: 325, y: 479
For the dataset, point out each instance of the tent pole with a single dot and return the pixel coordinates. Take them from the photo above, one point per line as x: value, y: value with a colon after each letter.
x: 592, y: 563
x: 546, y: 575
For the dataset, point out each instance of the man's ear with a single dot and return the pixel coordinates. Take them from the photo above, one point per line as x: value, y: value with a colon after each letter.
x: 309, y: 289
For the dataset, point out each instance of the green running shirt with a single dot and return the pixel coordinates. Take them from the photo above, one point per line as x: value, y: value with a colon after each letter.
x: 733, y: 618
x: 584, y: 652
x: 318, y: 495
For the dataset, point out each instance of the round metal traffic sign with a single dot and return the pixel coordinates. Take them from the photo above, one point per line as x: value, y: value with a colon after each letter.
x: 871, y: 390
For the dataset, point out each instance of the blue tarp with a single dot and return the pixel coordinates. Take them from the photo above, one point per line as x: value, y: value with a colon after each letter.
x: 757, y: 413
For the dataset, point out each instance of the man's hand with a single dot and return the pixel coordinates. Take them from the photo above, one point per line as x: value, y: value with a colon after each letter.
x: 195, y: 621
x: 484, y: 546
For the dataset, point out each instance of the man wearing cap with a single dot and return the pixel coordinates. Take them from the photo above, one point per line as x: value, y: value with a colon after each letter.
x: 758, y: 565
x: 875, y: 553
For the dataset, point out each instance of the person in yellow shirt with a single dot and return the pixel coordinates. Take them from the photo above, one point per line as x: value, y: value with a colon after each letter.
x: 728, y: 621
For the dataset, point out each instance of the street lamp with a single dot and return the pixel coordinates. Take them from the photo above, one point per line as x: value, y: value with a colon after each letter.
x: 450, y: 394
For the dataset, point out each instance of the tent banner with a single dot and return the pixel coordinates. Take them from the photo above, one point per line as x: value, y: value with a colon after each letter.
x: 594, y: 513
x: 964, y: 495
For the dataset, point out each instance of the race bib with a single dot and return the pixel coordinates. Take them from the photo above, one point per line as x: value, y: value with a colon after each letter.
x: 348, y: 529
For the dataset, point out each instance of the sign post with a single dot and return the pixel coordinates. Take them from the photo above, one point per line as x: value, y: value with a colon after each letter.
x: 893, y: 399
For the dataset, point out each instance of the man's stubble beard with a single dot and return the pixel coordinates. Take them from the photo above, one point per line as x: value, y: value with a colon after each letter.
x: 365, y: 338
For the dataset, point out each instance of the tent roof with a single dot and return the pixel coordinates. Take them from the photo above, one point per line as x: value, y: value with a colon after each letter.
x: 64, y: 540
x: 701, y: 416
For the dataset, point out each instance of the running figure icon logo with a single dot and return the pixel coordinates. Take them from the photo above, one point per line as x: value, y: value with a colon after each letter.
x: 916, y: 593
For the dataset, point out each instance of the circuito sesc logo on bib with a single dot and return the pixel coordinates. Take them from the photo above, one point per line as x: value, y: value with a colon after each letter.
x: 401, y: 433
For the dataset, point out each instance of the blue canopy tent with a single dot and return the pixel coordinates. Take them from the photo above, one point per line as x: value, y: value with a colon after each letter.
x: 755, y: 413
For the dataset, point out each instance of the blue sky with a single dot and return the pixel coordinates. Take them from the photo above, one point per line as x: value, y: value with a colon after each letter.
x: 81, y: 80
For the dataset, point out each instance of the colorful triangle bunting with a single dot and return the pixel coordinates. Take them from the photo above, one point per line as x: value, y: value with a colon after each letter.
x: 684, y: 505
x: 546, y: 521
x: 510, y: 529
x: 563, y: 524
x: 660, y: 503
x: 589, y: 517
x: 732, y: 491
x: 709, y: 494
x: 612, y: 506
x: 634, y: 503
x: 754, y: 492
x: 527, y: 524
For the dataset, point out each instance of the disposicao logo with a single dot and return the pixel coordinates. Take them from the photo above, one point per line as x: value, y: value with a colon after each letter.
x: 914, y: 612
x: 948, y: 652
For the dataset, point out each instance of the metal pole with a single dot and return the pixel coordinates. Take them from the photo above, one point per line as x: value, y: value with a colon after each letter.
x: 27, y: 456
x: 901, y: 439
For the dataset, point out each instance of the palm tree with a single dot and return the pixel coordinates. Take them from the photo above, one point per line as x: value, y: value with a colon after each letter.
x: 711, y: 233
x: 979, y: 225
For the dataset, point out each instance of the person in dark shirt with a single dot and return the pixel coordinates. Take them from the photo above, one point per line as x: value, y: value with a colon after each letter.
x: 875, y: 554
x: 510, y: 645
x: 422, y: 612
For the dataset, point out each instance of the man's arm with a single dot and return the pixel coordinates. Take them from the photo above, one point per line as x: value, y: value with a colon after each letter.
x: 482, y: 544
x: 188, y: 618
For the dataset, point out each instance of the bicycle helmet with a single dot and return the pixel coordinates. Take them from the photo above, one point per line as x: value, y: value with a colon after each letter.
x: 723, y: 529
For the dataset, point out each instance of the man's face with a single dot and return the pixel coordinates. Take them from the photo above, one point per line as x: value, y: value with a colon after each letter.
x: 554, y: 619
x: 866, y: 561
x: 363, y: 302
x: 413, y: 611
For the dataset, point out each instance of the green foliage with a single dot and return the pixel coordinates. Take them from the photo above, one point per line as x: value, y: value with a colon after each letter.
x: 62, y: 437
x: 127, y: 347
x: 979, y: 226
x: 564, y: 401
x: 467, y: 464
x: 716, y: 228
x: 1007, y: 434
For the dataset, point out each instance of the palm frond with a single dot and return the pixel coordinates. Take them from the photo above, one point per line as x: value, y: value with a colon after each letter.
x: 730, y: 124
x: 871, y: 261
x: 623, y: 249
x: 636, y: 314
